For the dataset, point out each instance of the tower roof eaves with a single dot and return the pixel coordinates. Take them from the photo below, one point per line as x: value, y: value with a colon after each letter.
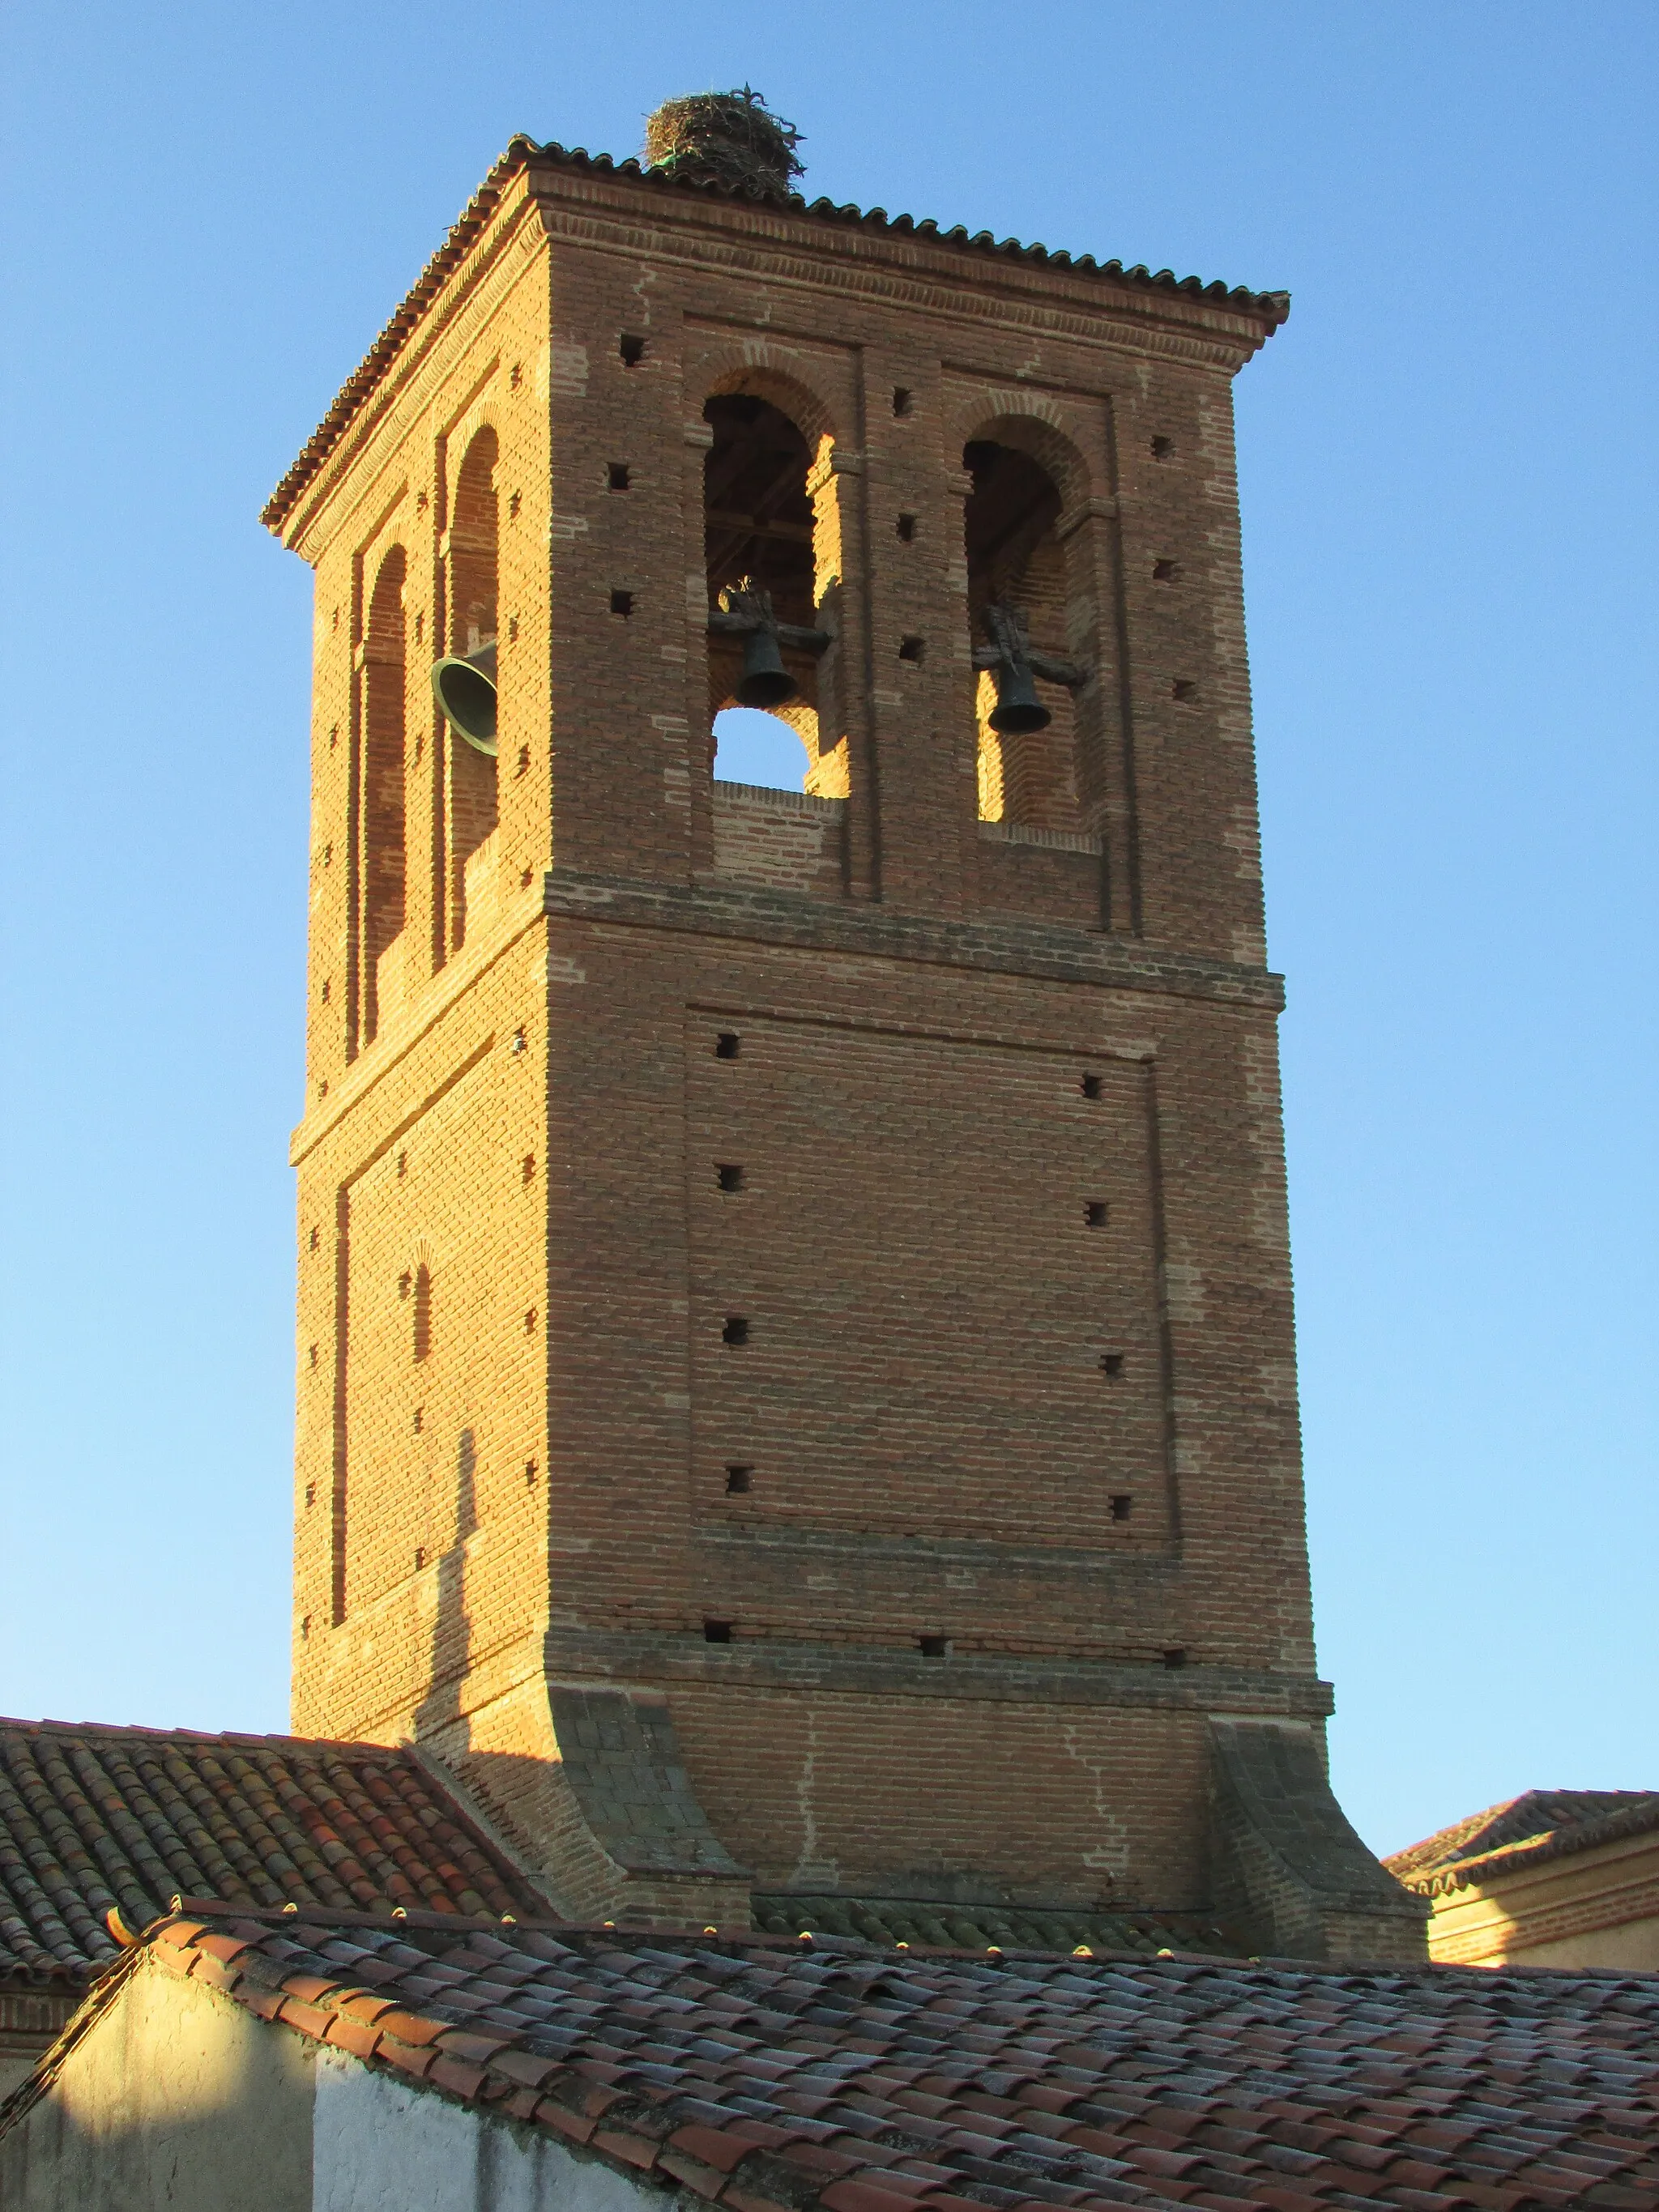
x: 1271, y: 308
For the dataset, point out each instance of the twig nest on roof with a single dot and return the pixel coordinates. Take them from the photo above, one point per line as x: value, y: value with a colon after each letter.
x: 728, y: 138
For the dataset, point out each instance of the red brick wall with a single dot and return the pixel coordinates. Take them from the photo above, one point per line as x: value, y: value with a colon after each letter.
x: 934, y: 1447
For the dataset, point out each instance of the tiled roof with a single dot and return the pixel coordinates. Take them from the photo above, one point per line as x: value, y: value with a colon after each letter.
x: 1270, y: 309
x: 1541, y: 1824
x: 782, y: 2077
x: 99, y: 1819
x: 979, y: 1926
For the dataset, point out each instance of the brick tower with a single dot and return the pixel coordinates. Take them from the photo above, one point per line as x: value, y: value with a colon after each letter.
x: 797, y: 1393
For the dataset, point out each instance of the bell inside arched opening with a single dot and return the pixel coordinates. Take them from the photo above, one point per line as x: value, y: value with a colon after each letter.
x: 1015, y: 561
x: 382, y: 812
x: 763, y: 533
x: 473, y: 533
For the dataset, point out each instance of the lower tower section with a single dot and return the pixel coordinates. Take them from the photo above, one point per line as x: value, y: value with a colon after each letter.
x: 812, y: 1426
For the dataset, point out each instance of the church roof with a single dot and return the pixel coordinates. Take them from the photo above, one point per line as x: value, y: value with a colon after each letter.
x: 1268, y: 308
x: 98, y: 1820
x: 787, y: 2076
x: 1540, y: 1825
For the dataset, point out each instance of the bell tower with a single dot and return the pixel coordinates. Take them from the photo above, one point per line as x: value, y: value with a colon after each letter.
x: 797, y: 1399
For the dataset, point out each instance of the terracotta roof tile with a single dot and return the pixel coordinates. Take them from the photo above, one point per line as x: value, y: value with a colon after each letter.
x: 977, y: 1927
x: 1268, y: 308
x: 769, y: 2076
x: 96, y: 1818
x: 1540, y: 1825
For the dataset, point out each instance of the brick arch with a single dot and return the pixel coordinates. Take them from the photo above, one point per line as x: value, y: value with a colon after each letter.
x: 751, y: 369
x: 472, y: 584
x: 1032, y: 424
x: 463, y: 434
x: 380, y: 860
x: 1043, y: 779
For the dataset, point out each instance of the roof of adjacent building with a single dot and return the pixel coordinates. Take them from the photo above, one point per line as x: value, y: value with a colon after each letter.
x: 97, y: 1820
x: 1538, y: 1825
x: 784, y: 2076
x: 1268, y: 308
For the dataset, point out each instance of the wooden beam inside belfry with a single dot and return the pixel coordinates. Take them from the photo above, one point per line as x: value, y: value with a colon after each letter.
x: 754, y: 525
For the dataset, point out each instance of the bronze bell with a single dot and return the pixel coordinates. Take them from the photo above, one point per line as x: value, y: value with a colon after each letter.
x: 465, y: 690
x: 1018, y: 711
x: 765, y: 681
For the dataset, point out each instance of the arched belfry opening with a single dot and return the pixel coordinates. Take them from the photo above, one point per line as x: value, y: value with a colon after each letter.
x: 1017, y: 596
x: 771, y: 545
x: 473, y: 533
x: 383, y: 862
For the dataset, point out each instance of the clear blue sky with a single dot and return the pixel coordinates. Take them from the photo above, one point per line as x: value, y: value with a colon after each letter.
x: 1449, y: 506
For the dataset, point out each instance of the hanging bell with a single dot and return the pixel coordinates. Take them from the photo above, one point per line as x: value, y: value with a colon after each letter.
x: 765, y: 681
x: 465, y: 691
x: 1018, y: 711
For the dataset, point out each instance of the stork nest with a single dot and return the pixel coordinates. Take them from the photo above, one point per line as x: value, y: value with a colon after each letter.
x: 728, y: 138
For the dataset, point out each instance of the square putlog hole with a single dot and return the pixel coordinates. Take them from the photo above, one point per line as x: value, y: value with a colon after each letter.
x: 717, y: 1631
x: 736, y: 1330
x: 739, y: 1481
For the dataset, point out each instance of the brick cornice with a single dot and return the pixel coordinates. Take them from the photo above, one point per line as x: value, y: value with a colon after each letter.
x: 1524, y: 1909
x: 1008, y: 948
x: 467, y: 276
x: 416, y: 1021
x: 1012, y: 948
x: 802, y: 255
x: 978, y: 1553
x: 638, y: 1658
x: 896, y: 258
